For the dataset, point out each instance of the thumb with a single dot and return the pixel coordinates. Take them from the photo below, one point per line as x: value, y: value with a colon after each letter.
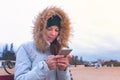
x: 69, y: 56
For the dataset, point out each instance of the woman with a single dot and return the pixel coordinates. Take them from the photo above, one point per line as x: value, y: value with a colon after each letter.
x: 39, y: 59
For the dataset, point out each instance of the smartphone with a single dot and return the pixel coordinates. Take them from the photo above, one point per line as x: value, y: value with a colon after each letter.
x: 65, y: 52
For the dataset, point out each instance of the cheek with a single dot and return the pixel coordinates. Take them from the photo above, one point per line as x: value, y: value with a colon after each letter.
x: 57, y: 33
x: 47, y: 33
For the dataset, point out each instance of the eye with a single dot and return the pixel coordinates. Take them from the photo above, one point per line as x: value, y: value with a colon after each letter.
x: 57, y: 30
x: 49, y: 29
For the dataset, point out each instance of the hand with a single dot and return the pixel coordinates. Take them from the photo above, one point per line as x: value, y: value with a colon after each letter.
x: 51, y: 62
x: 62, y: 62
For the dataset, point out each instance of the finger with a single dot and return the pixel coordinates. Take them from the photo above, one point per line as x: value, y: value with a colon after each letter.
x: 69, y: 56
x: 52, y: 57
x: 63, y: 61
x: 59, y: 56
x: 62, y: 66
x: 54, y: 65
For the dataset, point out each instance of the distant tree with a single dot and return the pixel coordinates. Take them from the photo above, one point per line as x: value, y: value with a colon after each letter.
x: 81, y: 61
x: 112, y: 62
x: 11, y: 47
x: 8, y: 54
x: 5, y: 48
x: 72, y: 60
x: 75, y: 60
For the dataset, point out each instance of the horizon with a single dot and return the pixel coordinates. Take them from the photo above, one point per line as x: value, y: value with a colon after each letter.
x: 85, y: 56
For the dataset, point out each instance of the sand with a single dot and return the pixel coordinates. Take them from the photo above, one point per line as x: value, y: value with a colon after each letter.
x: 89, y: 73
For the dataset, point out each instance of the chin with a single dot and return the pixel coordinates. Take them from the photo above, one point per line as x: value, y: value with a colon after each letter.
x: 50, y: 41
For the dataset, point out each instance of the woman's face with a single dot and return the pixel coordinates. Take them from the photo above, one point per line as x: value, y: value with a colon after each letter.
x: 52, y: 32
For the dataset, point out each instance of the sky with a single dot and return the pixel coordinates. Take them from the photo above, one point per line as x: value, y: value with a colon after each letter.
x: 95, y: 24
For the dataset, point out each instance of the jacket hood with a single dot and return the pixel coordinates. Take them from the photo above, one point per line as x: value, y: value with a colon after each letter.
x: 41, y: 23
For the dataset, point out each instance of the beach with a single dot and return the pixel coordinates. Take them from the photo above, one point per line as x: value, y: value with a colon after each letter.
x: 92, y: 73
x: 88, y: 73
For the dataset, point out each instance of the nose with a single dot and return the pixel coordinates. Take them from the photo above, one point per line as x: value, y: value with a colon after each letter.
x: 53, y: 33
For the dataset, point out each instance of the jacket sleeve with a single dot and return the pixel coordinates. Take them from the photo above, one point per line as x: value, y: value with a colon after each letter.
x: 63, y: 75
x: 23, y: 66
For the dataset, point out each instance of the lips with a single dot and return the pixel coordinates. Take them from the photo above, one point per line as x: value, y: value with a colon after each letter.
x: 51, y: 38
